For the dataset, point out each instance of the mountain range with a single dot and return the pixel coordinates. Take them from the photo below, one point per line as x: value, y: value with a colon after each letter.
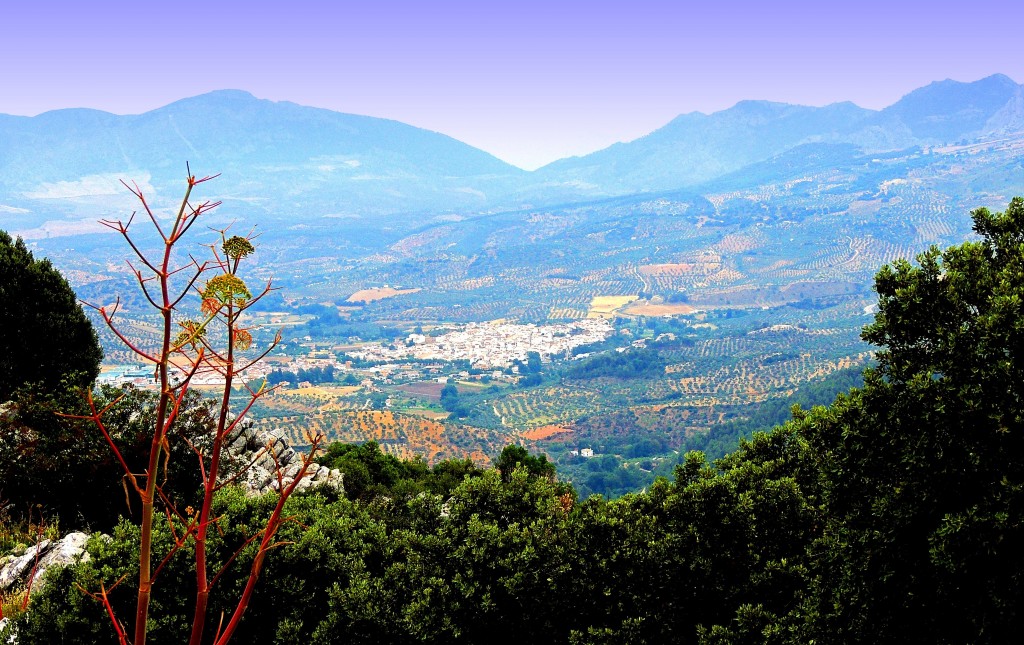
x: 282, y: 161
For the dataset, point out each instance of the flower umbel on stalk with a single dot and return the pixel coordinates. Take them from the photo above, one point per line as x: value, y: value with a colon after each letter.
x: 209, y: 345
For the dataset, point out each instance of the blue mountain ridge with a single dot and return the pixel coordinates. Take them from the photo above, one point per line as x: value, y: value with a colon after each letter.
x: 286, y: 160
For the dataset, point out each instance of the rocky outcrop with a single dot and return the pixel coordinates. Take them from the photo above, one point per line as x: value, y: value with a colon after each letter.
x: 264, y: 451
x: 253, y: 458
x: 29, y: 567
x: 17, y: 570
x: 254, y: 453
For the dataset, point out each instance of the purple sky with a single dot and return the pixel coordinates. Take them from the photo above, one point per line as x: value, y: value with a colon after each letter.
x: 527, y: 81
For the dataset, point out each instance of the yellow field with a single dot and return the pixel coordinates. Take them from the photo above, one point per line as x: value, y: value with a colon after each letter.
x: 606, y: 306
x: 369, y: 295
x: 319, y: 391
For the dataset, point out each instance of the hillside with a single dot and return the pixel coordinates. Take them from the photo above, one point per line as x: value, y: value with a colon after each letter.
x: 275, y: 159
x: 282, y: 162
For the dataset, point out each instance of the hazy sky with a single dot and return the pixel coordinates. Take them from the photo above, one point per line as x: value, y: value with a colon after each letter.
x: 527, y: 81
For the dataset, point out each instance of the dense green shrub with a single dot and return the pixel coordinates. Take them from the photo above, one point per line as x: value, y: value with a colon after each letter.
x: 64, y: 465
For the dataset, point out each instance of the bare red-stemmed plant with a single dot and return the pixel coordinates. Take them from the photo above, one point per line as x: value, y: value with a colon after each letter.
x: 35, y: 563
x: 187, y: 349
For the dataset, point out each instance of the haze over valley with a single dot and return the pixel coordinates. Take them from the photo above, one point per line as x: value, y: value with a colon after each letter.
x: 732, y: 253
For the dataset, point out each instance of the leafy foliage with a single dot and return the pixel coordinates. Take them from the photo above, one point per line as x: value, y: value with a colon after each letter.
x: 450, y: 401
x: 628, y: 364
x: 923, y: 469
x: 513, y: 457
x: 370, y: 472
x: 508, y: 551
x: 44, y: 334
x: 65, y: 466
x: 893, y: 515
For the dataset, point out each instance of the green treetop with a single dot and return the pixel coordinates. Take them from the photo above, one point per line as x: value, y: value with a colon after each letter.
x: 44, y: 334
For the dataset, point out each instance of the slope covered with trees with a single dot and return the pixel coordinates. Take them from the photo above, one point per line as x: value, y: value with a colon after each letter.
x: 891, y: 516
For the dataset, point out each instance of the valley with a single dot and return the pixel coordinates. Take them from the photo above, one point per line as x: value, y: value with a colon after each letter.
x: 662, y: 317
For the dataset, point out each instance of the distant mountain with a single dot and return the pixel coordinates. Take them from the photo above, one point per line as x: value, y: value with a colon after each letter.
x: 695, y: 148
x: 278, y: 157
x: 946, y: 111
x: 298, y: 164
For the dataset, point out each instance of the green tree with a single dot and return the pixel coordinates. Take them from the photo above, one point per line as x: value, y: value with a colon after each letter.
x: 450, y: 401
x: 449, y: 397
x: 37, y: 441
x: 486, y: 561
x: 536, y: 465
x: 533, y: 363
x: 44, y: 334
x: 922, y: 470
x: 368, y: 470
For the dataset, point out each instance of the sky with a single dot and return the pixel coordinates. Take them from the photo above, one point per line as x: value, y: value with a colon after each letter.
x: 527, y: 81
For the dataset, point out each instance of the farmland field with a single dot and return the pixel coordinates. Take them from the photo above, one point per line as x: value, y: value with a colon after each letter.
x: 321, y: 392
x: 544, y: 432
x: 402, y: 435
x: 657, y: 310
x: 427, y: 389
x: 369, y: 295
x: 606, y: 306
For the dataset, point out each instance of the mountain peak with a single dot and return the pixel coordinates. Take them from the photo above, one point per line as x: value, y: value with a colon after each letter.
x: 948, y: 110
x: 999, y: 78
x: 216, y: 97
x: 343, y: 163
x: 759, y: 104
x: 229, y: 94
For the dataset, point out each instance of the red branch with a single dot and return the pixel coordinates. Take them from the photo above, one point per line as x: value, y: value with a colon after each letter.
x: 200, y: 355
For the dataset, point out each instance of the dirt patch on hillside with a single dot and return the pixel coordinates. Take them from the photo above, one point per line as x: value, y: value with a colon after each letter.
x: 427, y: 389
x: 544, y: 432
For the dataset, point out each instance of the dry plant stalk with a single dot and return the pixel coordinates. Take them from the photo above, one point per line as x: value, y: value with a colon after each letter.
x: 35, y: 563
x: 18, y: 600
x: 187, y: 346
